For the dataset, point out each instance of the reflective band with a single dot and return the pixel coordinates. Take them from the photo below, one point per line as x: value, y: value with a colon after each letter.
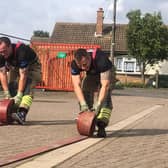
x: 26, y: 101
x: 104, y: 115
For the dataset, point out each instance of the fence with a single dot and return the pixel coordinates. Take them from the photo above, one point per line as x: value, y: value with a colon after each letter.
x: 56, y: 61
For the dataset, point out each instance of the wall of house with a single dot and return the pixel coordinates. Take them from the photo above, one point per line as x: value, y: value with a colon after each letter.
x: 129, y: 78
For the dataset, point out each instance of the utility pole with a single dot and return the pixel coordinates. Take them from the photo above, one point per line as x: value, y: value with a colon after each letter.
x: 112, y: 53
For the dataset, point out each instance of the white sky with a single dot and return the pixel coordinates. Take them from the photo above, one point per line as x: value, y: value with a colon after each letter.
x: 20, y: 18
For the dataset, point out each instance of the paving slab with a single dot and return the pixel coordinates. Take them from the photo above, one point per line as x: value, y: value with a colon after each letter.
x: 51, y: 119
x: 143, y: 144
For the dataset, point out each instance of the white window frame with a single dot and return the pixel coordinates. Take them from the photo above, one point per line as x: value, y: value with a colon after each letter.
x: 120, y: 62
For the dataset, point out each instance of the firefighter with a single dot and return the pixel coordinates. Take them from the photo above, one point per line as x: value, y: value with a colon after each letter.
x: 97, y: 68
x: 20, y: 70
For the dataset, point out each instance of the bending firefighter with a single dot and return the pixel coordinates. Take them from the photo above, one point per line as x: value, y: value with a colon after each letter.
x: 20, y: 70
x: 97, y: 68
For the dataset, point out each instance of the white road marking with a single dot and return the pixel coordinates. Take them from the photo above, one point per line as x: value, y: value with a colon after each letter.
x: 130, y: 120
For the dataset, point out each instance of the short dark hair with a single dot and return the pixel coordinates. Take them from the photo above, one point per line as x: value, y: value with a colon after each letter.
x: 5, y: 40
x: 81, y: 52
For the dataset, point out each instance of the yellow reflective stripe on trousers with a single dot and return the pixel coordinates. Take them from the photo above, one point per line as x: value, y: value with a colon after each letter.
x: 104, y: 113
x: 26, y: 101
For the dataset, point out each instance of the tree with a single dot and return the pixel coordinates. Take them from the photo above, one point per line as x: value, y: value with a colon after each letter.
x: 40, y: 33
x: 147, y: 39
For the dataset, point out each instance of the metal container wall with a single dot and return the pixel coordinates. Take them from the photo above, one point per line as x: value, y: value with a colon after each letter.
x: 56, y: 73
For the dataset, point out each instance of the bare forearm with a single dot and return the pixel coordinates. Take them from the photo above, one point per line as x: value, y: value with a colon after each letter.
x: 79, y: 94
x: 22, y: 80
x: 105, y: 84
x: 102, y: 93
x: 77, y: 88
x: 4, y: 81
x: 22, y: 83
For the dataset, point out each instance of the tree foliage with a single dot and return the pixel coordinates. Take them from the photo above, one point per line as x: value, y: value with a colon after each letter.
x: 147, y: 38
x: 40, y: 33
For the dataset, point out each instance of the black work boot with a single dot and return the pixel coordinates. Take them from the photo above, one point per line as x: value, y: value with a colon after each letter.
x: 101, y: 133
x: 20, y: 116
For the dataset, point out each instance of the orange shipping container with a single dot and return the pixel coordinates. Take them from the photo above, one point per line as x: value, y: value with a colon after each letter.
x: 56, y: 73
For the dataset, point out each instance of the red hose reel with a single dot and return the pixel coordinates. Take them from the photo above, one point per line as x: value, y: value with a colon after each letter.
x: 6, y: 108
x: 86, y: 123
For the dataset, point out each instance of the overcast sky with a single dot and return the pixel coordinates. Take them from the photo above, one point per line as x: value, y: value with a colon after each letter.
x: 20, y: 18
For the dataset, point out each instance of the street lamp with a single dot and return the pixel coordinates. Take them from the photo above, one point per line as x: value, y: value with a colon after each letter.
x: 113, y: 32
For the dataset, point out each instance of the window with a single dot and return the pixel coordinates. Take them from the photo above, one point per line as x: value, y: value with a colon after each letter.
x: 137, y: 67
x: 126, y: 64
x: 129, y: 66
x: 119, y: 64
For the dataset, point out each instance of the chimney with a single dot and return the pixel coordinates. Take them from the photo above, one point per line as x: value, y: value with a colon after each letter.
x: 99, y: 25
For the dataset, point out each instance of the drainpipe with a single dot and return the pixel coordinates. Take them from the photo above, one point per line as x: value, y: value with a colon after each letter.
x: 113, y: 32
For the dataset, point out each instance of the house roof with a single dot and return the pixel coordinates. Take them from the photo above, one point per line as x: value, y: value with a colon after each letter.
x: 84, y: 33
